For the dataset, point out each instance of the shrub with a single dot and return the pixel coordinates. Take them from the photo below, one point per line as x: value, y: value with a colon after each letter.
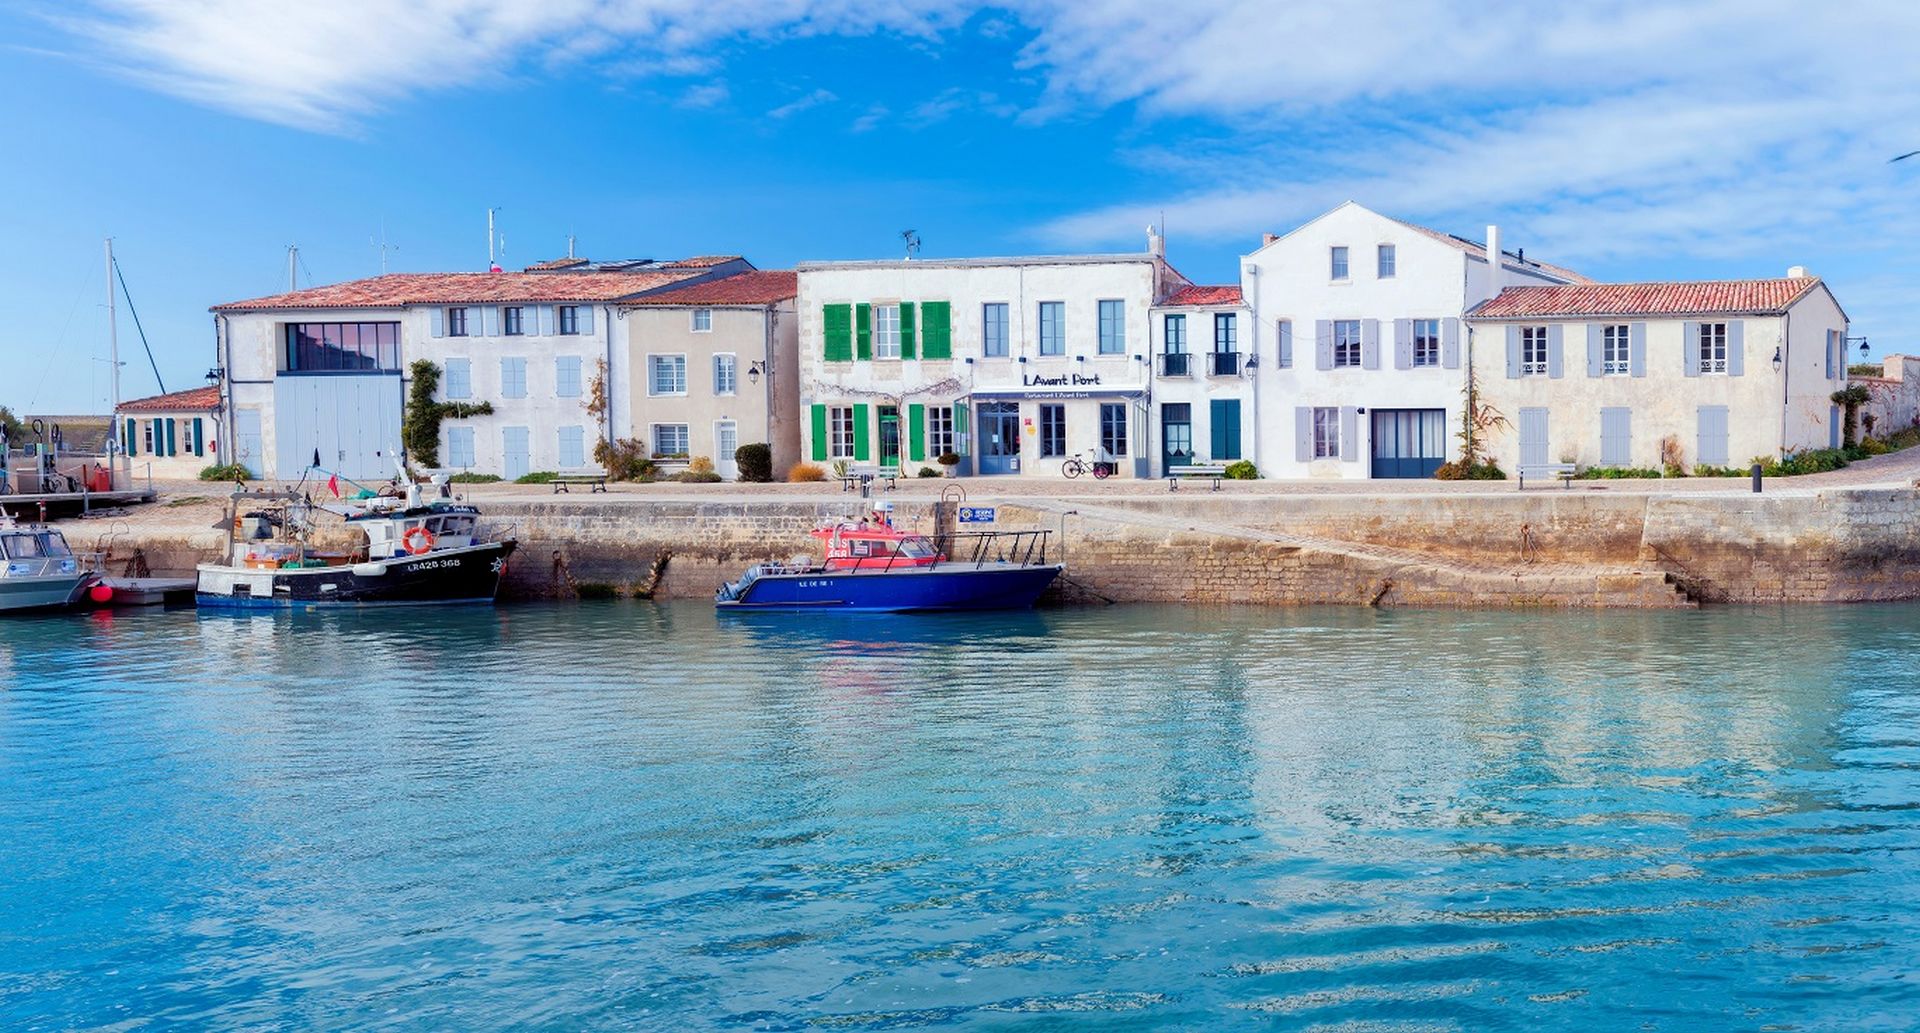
x: 698, y: 477
x: 700, y: 464
x: 474, y: 478
x: 1614, y: 473
x: 948, y: 459
x: 624, y: 459
x: 841, y: 468
x: 1866, y: 369
x: 1873, y: 446
x: 226, y: 472
x: 802, y: 472
x: 1244, y: 470
x: 1900, y: 439
x: 755, y: 462
x: 537, y: 477
x: 420, y: 426
x: 927, y: 471
x: 1458, y: 471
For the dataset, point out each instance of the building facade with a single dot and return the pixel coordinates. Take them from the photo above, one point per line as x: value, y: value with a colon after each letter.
x: 1203, y: 408
x: 173, y: 435
x: 1648, y: 375
x: 1011, y: 364
x: 715, y: 365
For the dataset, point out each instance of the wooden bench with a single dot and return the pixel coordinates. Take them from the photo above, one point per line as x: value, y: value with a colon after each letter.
x: 1213, y: 470
x: 596, y: 481
x: 888, y: 476
x: 1538, y: 471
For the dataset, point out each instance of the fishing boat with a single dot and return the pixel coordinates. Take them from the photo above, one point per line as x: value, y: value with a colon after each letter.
x: 870, y: 565
x: 37, y: 569
x: 419, y: 545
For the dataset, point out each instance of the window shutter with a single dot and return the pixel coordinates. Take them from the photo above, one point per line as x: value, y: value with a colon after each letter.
x: 133, y: 440
x: 1637, y: 348
x: 1369, y: 344
x: 1286, y: 344
x: 907, y: 342
x: 491, y: 315
x: 1224, y: 423
x: 1302, y: 434
x: 199, y: 436
x: 960, y: 443
x: 1596, y: 345
x: 1216, y: 429
x: 1450, y: 343
x: 863, y: 332
x: 936, y: 330
x: 438, y: 319
x: 1833, y: 426
x: 1403, y: 344
x: 171, y: 448
x: 1555, y: 351
x: 1322, y: 344
x: 586, y: 319
x: 862, y: 434
x: 1349, y: 434
x: 1513, y: 353
x: 1711, y: 449
x: 836, y: 323
x: 1690, y: 348
x: 819, y: 433
x: 546, y: 321
x: 917, y: 432
x: 1830, y: 355
x: 1737, y: 348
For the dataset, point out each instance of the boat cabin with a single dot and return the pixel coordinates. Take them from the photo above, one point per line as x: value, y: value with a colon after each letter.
x: 391, y: 534
x: 31, y: 552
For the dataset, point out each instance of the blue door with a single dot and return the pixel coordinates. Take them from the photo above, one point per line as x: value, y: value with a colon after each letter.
x: 1409, y: 442
x: 1176, y: 435
x: 999, y: 434
x: 517, y: 460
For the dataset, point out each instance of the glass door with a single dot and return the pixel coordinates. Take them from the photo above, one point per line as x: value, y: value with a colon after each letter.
x: 999, y: 434
x: 1176, y: 435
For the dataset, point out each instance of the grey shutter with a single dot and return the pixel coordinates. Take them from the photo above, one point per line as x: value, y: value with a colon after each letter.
x: 546, y: 321
x: 439, y: 322
x: 1616, y: 437
x: 1637, y: 348
x: 1554, y: 351
x: 1690, y: 348
x: 1286, y: 344
x: 1302, y: 433
x: 476, y: 322
x: 1712, y: 446
x: 1349, y: 434
x: 1322, y: 344
x: 1737, y: 348
x: 1403, y: 344
x: 493, y: 320
x: 1450, y: 343
x: 1369, y: 344
x: 586, y: 319
x: 1830, y: 355
x: 1513, y: 353
x: 1595, y: 363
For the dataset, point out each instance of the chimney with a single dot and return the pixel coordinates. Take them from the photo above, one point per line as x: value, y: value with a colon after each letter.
x: 1495, y: 272
x: 1268, y: 238
x: 1796, y: 272
x: 1156, y: 244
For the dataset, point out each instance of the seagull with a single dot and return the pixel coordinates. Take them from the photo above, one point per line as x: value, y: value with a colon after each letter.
x: 1902, y: 157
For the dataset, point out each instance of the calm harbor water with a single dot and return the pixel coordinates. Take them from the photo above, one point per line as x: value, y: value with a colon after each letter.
x: 627, y: 816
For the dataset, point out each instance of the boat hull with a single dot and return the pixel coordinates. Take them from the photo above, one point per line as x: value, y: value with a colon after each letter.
x: 945, y: 586
x: 42, y: 592
x: 470, y: 574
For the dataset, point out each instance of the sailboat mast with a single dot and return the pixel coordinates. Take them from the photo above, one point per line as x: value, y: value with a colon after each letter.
x: 113, y: 331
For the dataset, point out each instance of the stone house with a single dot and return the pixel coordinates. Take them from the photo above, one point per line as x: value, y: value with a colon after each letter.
x: 172, y: 436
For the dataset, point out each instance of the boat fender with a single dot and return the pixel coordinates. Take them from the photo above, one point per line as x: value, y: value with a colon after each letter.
x: 417, y: 540
x: 369, y: 569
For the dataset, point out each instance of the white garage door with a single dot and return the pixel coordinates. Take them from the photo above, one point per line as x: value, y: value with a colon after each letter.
x: 352, y: 422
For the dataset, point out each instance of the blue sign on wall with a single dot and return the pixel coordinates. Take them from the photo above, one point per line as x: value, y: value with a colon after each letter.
x: 976, y: 514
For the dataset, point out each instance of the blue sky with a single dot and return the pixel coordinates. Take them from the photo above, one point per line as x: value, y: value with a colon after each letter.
x: 1630, y: 141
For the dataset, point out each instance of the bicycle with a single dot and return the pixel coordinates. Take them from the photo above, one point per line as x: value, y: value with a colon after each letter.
x: 1074, y: 466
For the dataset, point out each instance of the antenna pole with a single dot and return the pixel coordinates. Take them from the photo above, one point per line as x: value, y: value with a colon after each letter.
x: 113, y: 331
x: 293, y: 260
x: 490, y: 260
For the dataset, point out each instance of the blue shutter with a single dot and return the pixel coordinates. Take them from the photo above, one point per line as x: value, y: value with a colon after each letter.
x: 1690, y: 348
x: 1349, y: 434
x: 1736, y: 348
x: 1403, y: 344
x: 1450, y: 343
x: 1513, y: 353
x: 1637, y: 348
x: 133, y: 439
x: 1595, y: 346
x: 438, y: 319
x: 1224, y: 428
x: 1554, y: 351
x: 171, y: 448
x: 1369, y: 344
x: 199, y: 437
x: 586, y: 319
x: 1286, y: 344
x: 1322, y: 344
x: 1302, y: 433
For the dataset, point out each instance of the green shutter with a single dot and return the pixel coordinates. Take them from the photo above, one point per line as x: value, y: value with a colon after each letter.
x: 917, y: 432
x: 820, y: 431
x: 1225, y: 429
x: 133, y: 441
x: 960, y: 441
x: 199, y: 437
x: 936, y: 330
x: 906, y: 330
x: 171, y: 450
x: 863, y: 332
x: 836, y: 322
x: 862, y: 434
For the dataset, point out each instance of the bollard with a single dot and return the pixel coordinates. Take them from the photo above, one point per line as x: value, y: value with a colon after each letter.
x: 1756, y: 478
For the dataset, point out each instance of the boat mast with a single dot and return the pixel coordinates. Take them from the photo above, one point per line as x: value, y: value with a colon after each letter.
x: 113, y: 334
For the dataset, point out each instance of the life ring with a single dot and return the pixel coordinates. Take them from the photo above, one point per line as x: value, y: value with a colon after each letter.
x: 417, y: 540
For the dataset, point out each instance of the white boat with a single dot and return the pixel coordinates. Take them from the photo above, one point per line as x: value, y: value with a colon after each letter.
x: 37, y: 569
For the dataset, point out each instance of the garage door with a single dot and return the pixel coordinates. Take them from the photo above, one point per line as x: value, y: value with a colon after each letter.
x: 352, y: 422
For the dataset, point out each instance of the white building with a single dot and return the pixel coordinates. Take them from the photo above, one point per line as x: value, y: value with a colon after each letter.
x: 1013, y: 364
x: 1638, y: 374
x: 1357, y: 334
x: 1204, y: 364
x: 172, y: 435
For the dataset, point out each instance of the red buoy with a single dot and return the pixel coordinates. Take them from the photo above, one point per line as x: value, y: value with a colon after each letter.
x: 100, y: 593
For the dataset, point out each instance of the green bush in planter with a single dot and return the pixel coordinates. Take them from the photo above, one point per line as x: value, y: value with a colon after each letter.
x: 755, y: 462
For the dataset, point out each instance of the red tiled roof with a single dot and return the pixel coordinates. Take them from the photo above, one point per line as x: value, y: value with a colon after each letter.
x: 1706, y: 297
x: 701, y: 262
x: 197, y: 399
x: 397, y: 289
x: 760, y: 287
x: 1195, y: 294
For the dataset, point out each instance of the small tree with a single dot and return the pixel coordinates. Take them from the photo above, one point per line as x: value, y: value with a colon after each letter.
x: 1476, y: 418
x: 1850, y: 399
x: 755, y: 462
x: 11, y: 427
x: 420, y: 429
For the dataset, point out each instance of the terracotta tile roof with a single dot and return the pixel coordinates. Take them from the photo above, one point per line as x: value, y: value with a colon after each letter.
x: 701, y: 262
x: 555, y: 263
x: 397, y: 289
x: 1705, y: 297
x: 1474, y: 247
x: 1195, y: 294
x: 760, y: 287
x: 198, y: 399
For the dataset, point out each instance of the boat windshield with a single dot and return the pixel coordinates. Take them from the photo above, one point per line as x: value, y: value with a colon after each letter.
x: 21, y: 546
x: 916, y: 548
x: 55, y: 544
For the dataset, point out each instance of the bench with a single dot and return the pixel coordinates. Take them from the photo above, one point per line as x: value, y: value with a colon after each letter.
x: 1538, y: 471
x: 1213, y: 470
x: 888, y: 476
x: 596, y: 481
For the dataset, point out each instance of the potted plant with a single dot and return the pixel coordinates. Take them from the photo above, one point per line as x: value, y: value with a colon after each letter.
x: 948, y: 460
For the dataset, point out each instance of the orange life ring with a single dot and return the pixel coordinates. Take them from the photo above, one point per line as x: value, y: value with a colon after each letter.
x: 417, y: 540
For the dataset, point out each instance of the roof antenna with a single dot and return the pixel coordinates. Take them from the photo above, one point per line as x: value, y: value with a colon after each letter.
x: 913, y: 243
x: 569, y: 245
x: 383, y: 246
x: 493, y: 264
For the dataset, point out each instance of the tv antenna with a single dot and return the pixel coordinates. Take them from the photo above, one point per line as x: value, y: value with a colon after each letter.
x: 382, y: 246
x: 912, y: 240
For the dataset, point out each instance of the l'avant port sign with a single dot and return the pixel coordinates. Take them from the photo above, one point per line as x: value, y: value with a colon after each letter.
x: 976, y: 514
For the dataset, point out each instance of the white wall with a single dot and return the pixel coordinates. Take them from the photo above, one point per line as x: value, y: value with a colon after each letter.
x: 1201, y: 386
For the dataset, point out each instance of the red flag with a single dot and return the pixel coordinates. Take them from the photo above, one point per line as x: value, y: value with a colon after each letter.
x: 333, y: 484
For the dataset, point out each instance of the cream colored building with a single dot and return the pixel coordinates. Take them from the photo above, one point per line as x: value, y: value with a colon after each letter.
x: 172, y: 436
x: 1626, y: 375
x: 714, y: 366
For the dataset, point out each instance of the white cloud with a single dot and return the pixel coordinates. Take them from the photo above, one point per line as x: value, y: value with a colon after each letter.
x: 705, y: 95
x: 809, y: 100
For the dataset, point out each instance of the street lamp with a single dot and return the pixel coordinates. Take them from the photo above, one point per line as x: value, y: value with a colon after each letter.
x: 1776, y: 358
x: 754, y: 369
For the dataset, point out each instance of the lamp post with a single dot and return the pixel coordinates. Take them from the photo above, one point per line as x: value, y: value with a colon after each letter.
x: 754, y: 369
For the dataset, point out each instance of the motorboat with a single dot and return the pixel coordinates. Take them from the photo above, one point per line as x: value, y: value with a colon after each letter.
x: 37, y: 569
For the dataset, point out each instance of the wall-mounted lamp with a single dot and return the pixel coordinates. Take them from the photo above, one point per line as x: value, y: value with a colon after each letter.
x: 969, y: 360
x: 1863, y: 345
x: 754, y: 369
x: 214, y: 375
x: 1776, y: 359
x: 1139, y: 358
x: 1079, y: 358
x: 1023, y: 358
x: 1253, y: 362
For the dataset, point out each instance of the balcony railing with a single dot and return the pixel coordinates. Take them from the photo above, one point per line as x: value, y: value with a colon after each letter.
x: 1226, y: 364
x: 1176, y: 364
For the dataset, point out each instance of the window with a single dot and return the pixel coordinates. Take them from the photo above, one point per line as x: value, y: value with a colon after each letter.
x: 1338, y: 260
x: 569, y: 319
x: 515, y: 320
x: 886, y: 331
x: 1713, y: 347
x: 993, y: 329
x: 1326, y: 432
x: 666, y: 374
x: 566, y: 376
x: 146, y: 435
x: 1226, y: 354
x: 940, y: 438
x: 456, y: 322
x: 1616, y: 350
x: 1053, y: 430
x: 1113, y: 429
x: 1346, y: 343
x: 1053, y: 328
x: 573, y: 449
x: 670, y: 439
x: 840, y: 431
x: 724, y: 380
x: 460, y: 447
x: 459, y: 378
x: 513, y: 378
x: 1174, y: 363
x: 1426, y: 342
x: 702, y: 320
x: 1386, y: 262
x: 343, y: 347
x: 1533, y: 351
x: 1113, y: 328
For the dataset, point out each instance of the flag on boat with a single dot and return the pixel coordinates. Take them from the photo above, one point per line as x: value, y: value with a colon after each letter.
x: 333, y: 484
